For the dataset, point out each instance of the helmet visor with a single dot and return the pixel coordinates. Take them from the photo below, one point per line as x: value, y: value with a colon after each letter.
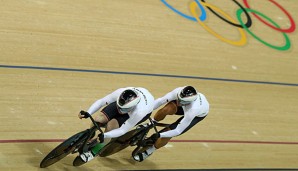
x: 182, y: 102
x: 125, y: 110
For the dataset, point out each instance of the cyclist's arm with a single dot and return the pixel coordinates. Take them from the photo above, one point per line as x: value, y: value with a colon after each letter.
x: 104, y: 101
x: 184, y: 123
x: 165, y: 99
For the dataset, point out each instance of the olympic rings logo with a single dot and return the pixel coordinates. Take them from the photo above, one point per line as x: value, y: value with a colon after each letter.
x: 240, y: 25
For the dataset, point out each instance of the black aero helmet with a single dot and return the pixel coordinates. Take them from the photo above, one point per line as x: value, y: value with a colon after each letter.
x: 187, y: 95
x: 127, y: 100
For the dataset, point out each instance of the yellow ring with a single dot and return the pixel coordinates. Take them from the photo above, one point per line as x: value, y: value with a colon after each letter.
x: 193, y: 5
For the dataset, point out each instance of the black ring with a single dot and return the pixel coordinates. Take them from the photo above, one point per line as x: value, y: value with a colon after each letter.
x: 248, y: 24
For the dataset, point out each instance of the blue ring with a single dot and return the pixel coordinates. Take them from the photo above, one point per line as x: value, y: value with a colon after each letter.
x: 202, y: 17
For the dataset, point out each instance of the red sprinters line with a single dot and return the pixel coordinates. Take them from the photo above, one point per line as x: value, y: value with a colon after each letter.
x: 193, y: 141
x: 237, y: 141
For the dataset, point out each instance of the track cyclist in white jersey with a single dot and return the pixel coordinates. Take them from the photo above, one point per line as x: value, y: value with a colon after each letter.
x: 185, y: 101
x: 124, y: 109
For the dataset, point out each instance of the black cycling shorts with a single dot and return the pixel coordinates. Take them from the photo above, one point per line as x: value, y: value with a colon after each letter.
x: 112, y: 112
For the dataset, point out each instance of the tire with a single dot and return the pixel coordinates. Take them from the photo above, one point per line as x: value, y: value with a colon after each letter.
x: 118, y: 144
x: 78, y: 161
x: 63, y: 149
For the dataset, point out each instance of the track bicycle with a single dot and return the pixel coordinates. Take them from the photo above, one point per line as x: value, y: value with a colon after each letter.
x: 79, y: 143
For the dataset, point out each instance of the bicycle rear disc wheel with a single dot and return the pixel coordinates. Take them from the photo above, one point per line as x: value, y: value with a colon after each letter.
x: 63, y: 149
x: 118, y: 144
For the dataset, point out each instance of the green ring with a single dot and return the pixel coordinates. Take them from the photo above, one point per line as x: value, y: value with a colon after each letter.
x: 281, y: 48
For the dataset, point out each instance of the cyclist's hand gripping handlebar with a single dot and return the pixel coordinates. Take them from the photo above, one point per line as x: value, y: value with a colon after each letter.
x: 84, y: 114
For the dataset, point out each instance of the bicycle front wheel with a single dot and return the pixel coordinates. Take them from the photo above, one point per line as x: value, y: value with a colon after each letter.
x: 64, y: 149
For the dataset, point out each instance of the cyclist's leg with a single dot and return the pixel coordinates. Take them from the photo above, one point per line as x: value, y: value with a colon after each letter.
x: 115, y: 121
x: 163, y: 141
x: 169, y: 109
x: 106, y: 115
x: 160, y: 142
x: 101, y: 117
x: 112, y: 124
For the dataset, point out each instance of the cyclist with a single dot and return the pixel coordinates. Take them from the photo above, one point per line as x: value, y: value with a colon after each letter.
x: 185, y: 101
x: 124, y: 108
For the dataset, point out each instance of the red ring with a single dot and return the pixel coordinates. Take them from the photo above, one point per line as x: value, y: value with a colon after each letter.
x: 289, y: 30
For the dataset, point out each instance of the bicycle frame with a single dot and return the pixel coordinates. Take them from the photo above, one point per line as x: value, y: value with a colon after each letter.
x: 135, y: 137
x: 142, y: 142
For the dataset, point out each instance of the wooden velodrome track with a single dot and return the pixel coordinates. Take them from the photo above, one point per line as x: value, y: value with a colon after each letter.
x: 58, y: 57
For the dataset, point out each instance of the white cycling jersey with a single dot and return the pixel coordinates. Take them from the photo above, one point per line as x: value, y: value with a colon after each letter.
x: 144, y: 107
x: 197, y: 108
